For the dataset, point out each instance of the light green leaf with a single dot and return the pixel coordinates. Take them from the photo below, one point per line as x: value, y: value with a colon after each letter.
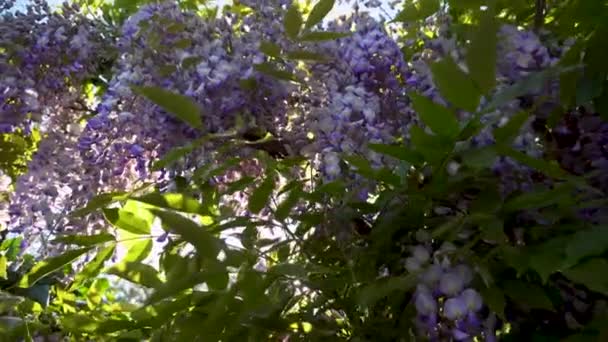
x: 293, y: 21
x: 138, y: 250
x: 418, y: 11
x: 50, y: 265
x: 128, y: 221
x: 205, y: 244
x: 137, y: 273
x: 84, y: 240
x: 261, y: 195
x: 440, y: 120
x: 3, y: 264
x: 319, y: 36
x: 179, y: 105
x: 318, y: 13
x: 455, y: 85
x: 481, y: 54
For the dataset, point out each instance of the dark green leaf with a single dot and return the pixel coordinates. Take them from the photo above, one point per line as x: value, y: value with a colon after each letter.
x: 495, y: 300
x: 50, y: 265
x: 270, y: 70
x: 539, y: 198
x: 548, y: 168
x: 591, y: 242
x: 548, y: 257
x: 137, y: 273
x: 370, y: 294
x: 261, y: 195
x: 527, y: 294
x: 84, y: 240
x: 293, y: 21
x: 98, y: 202
x: 292, y: 199
x: 466, y: 4
x: 455, y: 85
x: 323, y: 36
x: 306, y: 56
x: 205, y: 244
x: 318, y: 12
x: 179, y: 105
x: 176, y: 154
x: 270, y: 49
x: 128, y: 221
x: 507, y: 133
x: 591, y: 273
x: 432, y: 147
x: 481, y: 54
x: 439, y: 119
x: 398, y: 152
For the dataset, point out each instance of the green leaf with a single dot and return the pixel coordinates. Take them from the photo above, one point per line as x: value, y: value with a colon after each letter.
x: 84, y: 240
x: 292, y: 199
x: 568, y: 80
x: 174, y: 201
x: 261, y: 195
x: 495, y: 299
x: 270, y: 49
x: 548, y: 257
x: 270, y: 70
x: 466, y: 4
x: 455, y: 85
x: 92, y: 269
x: 432, y: 147
x: 128, y: 221
x: 293, y: 21
x: 50, y: 265
x: 138, y: 250
x: 418, y: 11
x: 548, y: 168
x: 3, y: 264
x: 481, y: 54
x: 179, y: 105
x: 539, y: 198
x: 99, y: 201
x: 302, y: 55
x: 493, y: 230
x: 591, y: 273
x: 320, y: 36
x: 398, y: 152
x: 176, y: 154
x: 527, y: 294
x: 205, y: 244
x: 591, y: 242
x: 372, y: 293
x: 440, y: 120
x: 137, y: 273
x: 318, y: 12
x: 507, y: 133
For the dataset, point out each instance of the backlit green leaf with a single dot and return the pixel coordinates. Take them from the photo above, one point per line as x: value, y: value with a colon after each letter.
x: 128, y: 221
x: 318, y: 13
x: 50, y: 265
x: 137, y: 273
